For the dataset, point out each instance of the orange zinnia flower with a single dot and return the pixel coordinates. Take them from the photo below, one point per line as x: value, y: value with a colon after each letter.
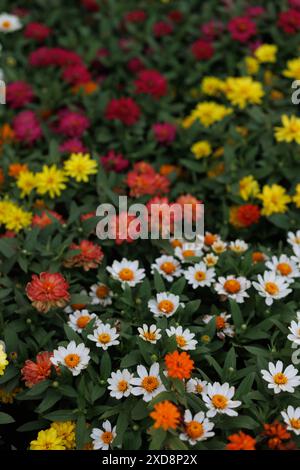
x: 6, y: 134
x: 16, y: 168
x: 276, y: 433
x: 165, y: 415
x: 86, y: 88
x: 179, y: 365
x: 241, y: 441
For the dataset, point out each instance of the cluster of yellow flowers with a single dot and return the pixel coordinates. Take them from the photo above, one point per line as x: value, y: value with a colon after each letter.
x: 3, y: 359
x: 51, y: 180
x: 14, y: 217
x: 60, y: 436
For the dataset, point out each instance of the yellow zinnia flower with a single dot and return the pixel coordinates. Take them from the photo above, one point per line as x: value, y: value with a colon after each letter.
x: 211, y: 86
x: 201, y: 149
x: 47, y: 440
x: 80, y: 166
x: 293, y: 69
x: 266, y: 53
x: 16, y: 219
x: 51, y: 180
x: 66, y: 432
x: 290, y: 130
x: 274, y: 199
x: 249, y: 187
x: 296, y: 197
x: 252, y: 65
x: 207, y: 112
x: 242, y: 91
x: 26, y: 182
x: 3, y: 359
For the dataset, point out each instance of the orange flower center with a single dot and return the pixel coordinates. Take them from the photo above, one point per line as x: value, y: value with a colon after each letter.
x: 181, y: 341
x: 6, y: 24
x: 219, y: 401
x: 271, y: 288
x: 257, y: 257
x: 126, y: 274
x: 194, y: 429
x: 280, y: 378
x: 102, y: 292
x: 78, y: 306
x: 166, y: 306
x: 284, y: 269
x: 220, y: 322
x: 168, y: 267
x: 122, y: 385
x: 107, y: 437
x: 188, y: 253
x: 72, y: 360
x: 83, y: 321
x: 149, y: 336
x: 104, y: 338
x: 295, y: 423
x: 200, y: 275
x: 232, y: 286
x: 176, y: 243
x: 150, y: 383
x: 209, y: 239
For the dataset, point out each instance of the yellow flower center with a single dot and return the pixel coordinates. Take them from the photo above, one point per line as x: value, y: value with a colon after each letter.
x: 6, y: 24
x: 200, y: 275
x: 181, y: 341
x: 295, y: 423
x: 232, y: 286
x: 168, y: 267
x: 188, y: 253
x: 102, y: 292
x: 149, y: 336
x: 166, y: 306
x: 104, y: 338
x: 150, y: 383
x: 199, y: 388
x: 194, y: 429
x: 280, y: 378
x: 271, y: 288
x: 122, y: 385
x: 284, y: 269
x: 72, y: 360
x: 107, y: 437
x: 126, y: 274
x: 83, y: 321
x: 219, y: 401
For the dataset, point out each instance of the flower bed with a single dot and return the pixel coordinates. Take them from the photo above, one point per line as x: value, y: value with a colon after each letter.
x: 150, y: 344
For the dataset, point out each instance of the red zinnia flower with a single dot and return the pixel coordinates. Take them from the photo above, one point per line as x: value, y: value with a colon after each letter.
x: 123, y: 109
x: 72, y: 123
x: 164, y: 132
x: 289, y: 21
x: 43, y: 219
x: 35, y: 372
x: 37, y: 31
x: 248, y: 214
x: 241, y: 28
x: 75, y: 74
x: 18, y: 94
x: 202, y: 49
x: 48, y: 290
x: 90, y: 5
x: 162, y: 28
x: 212, y: 29
x: 90, y: 256
x: 241, y: 441
x: 151, y: 82
x: 135, y: 16
x: 135, y: 65
x: 114, y: 161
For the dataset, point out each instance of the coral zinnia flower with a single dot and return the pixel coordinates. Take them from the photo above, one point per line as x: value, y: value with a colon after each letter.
x: 35, y: 372
x: 179, y: 365
x: 48, y: 290
x: 240, y: 441
x: 165, y: 415
x: 276, y: 433
x: 89, y: 257
x: 248, y: 214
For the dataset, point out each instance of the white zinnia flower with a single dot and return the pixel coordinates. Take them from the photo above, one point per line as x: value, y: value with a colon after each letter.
x: 238, y: 246
x: 165, y: 304
x: 74, y: 357
x: 80, y: 319
x: 149, y: 333
x: 233, y: 287
x: 294, y: 238
x: 199, y: 275
x: 9, y: 23
x: 295, y: 332
x: 291, y: 417
x: 119, y: 384
x: 283, y: 266
x: 102, y: 438
x: 281, y: 380
x: 196, y: 386
x: 188, y: 250
x: 197, y: 428
x: 168, y: 266
x: 105, y: 336
x: 100, y: 294
x: 147, y: 384
x: 271, y: 286
x: 184, y: 338
x: 127, y: 272
x: 218, y: 399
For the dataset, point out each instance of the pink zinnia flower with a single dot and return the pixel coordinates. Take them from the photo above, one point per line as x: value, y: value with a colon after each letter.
x: 72, y: 123
x: 151, y: 82
x: 164, y: 133
x: 37, y: 31
x: 35, y: 372
x: 135, y: 65
x: 48, y: 290
x: 114, y: 161
x: 123, y: 109
x: 27, y: 127
x: 255, y: 11
x: 162, y: 28
x: 241, y: 28
x: 212, y: 29
x: 18, y: 94
x: 72, y: 146
x: 75, y: 74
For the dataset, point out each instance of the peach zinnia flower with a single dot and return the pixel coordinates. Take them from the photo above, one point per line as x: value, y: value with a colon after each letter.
x: 179, y: 365
x: 35, y: 372
x: 89, y: 257
x: 165, y: 415
x: 276, y: 433
x: 241, y: 441
x: 48, y: 290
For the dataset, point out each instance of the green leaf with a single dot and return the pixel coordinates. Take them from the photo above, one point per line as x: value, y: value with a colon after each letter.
x: 81, y: 432
x: 105, y: 367
x: 159, y: 282
x: 236, y: 313
x: 121, y: 426
x: 158, y: 439
x: 61, y: 415
x: 5, y: 418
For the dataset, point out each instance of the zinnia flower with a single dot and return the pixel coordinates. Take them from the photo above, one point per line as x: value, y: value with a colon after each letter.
x: 90, y: 255
x: 48, y: 290
x: 27, y: 127
x: 18, y: 94
x: 35, y: 372
x: 240, y: 441
x: 179, y: 365
x: 165, y: 415
x: 123, y: 109
x: 151, y: 82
